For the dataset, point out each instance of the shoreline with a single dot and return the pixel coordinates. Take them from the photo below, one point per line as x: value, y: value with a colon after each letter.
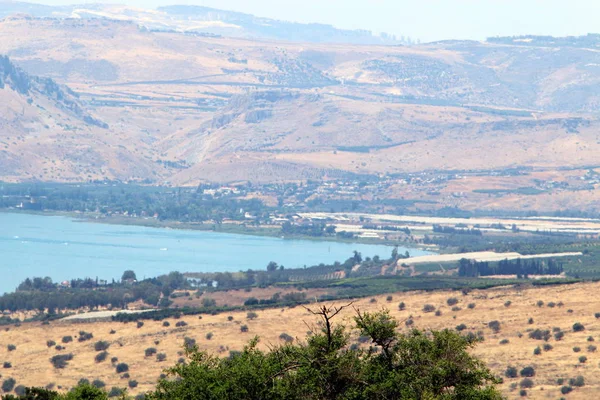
x: 224, y: 228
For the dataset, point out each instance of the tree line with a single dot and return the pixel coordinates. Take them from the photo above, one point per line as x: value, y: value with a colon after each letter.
x: 518, y: 267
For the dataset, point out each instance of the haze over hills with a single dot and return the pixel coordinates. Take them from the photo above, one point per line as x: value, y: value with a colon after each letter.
x: 182, y: 108
x: 204, y: 20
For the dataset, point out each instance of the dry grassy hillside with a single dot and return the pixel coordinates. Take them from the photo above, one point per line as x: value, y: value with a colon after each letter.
x: 192, y: 108
x: 563, y: 306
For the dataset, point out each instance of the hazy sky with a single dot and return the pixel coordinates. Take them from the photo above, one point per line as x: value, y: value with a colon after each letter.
x: 425, y: 19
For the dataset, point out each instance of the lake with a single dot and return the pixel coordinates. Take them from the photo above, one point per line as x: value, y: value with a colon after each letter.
x: 63, y: 248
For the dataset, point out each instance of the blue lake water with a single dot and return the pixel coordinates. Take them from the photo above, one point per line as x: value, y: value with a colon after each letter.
x: 62, y: 248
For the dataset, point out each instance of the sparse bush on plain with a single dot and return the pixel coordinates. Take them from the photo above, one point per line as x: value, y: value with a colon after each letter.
x: 578, y: 327
x: 121, y: 368
x: 577, y: 382
x: 61, y: 361
x: 189, y: 342
x: 180, y: 324
x: 566, y: 389
x: 11, y: 347
x: 132, y: 384
x: 526, y: 383
x: 461, y: 327
x: 101, y: 345
x: 540, y: 334
x: 244, y: 328
x: 50, y: 343
x: 401, y: 306
x: 428, y: 308
x: 511, y: 372
x: 582, y: 359
x: 209, y: 336
x: 6, y: 364
x: 547, y: 347
x: 160, y: 357
x: 101, y: 356
x: 504, y: 341
x: 537, y: 351
x: 452, y: 301
x: 98, y: 383
x: 591, y: 348
x: 576, y: 349
x: 84, y: 336
x: 494, y: 325
x: 251, y: 315
x: 139, y: 324
x: 507, y: 303
x: 150, y: 351
x: 471, y: 306
x: 528, y: 372
x: 166, y: 324
x: 559, y: 335
x: 8, y: 385
x: 287, y: 338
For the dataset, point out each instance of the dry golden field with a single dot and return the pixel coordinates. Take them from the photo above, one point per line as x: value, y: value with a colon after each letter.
x: 31, y: 365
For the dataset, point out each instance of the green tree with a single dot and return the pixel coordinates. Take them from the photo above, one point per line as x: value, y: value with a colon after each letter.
x: 129, y: 274
x: 424, y: 365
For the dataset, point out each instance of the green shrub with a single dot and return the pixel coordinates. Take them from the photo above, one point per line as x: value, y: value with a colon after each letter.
x: 84, y: 336
x: 511, y: 372
x: 576, y: 349
x: 61, y: 361
x: 494, y: 325
x: 122, y: 367
x: 428, y: 308
x: 101, y: 356
x: 566, y: 389
x: 582, y: 359
x: 115, y: 392
x: 166, y: 324
x: 20, y: 390
x: 101, y: 345
x: 287, y: 338
x: 401, y: 306
x: 160, y: 357
x: 578, y: 327
x: 537, y: 351
x: 577, y: 382
x: 8, y: 385
x: 461, y: 327
x: 98, y: 383
x: 547, y: 347
x: 132, y: 384
x: 244, y: 328
x: 251, y: 315
x: 150, y: 351
x: 189, y: 342
x: 528, y: 372
x: 452, y: 301
x: 526, y: 383
x: 67, y: 339
x: 50, y: 343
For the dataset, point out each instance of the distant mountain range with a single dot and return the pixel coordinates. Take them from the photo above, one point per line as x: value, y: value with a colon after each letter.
x: 103, y: 96
x: 205, y: 20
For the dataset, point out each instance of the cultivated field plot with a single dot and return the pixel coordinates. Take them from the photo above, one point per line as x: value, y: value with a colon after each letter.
x: 527, y: 319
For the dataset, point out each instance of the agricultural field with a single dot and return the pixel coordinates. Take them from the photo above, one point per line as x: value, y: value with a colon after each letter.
x: 552, y: 329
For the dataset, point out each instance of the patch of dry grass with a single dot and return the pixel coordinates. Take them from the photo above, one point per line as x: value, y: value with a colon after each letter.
x: 31, y: 365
